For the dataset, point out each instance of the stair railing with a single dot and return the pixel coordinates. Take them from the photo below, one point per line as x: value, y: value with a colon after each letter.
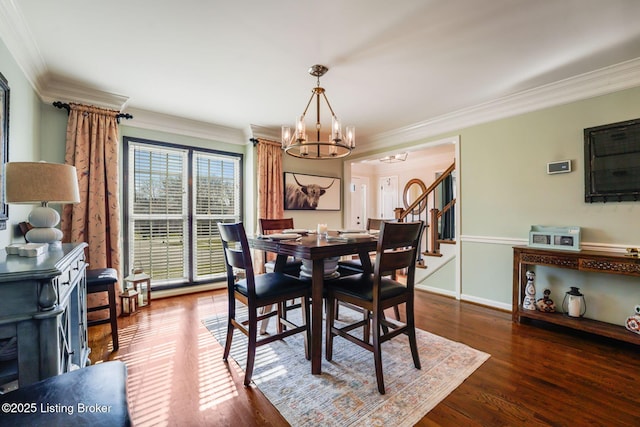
x: 408, y: 214
x: 436, y: 214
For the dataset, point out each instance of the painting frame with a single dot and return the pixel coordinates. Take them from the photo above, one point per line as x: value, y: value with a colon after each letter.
x: 312, y: 192
x: 4, y: 146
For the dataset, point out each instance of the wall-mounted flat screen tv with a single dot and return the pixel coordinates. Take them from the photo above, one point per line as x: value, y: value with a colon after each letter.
x: 612, y: 162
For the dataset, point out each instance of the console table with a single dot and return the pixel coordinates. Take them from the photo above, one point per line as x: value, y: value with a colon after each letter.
x: 43, y: 309
x: 588, y: 261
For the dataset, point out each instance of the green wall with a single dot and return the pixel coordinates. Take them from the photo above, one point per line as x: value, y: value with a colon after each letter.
x: 504, y: 184
x: 53, y: 124
x: 438, y: 281
x: 24, y: 133
x: 505, y: 189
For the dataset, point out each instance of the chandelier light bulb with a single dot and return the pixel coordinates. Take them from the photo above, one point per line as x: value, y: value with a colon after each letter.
x: 351, y: 136
x: 336, y: 130
x: 301, y: 129
x: 286, y: 136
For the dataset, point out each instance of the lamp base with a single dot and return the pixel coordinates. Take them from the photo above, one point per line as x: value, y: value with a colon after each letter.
x: 44, y: 219
x: 44, y: 235
x: 44, y: 216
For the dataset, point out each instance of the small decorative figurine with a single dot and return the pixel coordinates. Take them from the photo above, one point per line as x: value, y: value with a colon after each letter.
x: 545, y: 303
x: 529, y: 302
x: 633, y: 321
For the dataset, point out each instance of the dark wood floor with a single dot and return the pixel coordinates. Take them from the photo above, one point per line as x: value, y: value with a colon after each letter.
x: 535, y: 376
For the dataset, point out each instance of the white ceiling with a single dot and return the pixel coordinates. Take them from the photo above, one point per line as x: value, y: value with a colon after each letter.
x: 392, y: 65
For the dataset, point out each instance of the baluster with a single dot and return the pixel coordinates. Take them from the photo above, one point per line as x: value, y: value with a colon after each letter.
x: 434, y: 230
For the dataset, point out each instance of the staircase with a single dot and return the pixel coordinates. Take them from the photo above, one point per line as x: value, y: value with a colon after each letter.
x: 440, y: 223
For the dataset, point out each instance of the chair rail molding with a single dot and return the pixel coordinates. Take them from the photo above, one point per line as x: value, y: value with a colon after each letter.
x: 511, y: 241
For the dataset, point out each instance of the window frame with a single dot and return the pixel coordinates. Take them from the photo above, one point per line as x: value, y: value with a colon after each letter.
x: 195, y: 216
x: 190, y: 241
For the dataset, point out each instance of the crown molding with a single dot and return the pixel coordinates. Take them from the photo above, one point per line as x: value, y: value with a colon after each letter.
x: 607, y: 80
x: 265, y: 132
x: 146, y: 119
x: 20, y: 42
x: 16, y: 35
x: 57, y: 89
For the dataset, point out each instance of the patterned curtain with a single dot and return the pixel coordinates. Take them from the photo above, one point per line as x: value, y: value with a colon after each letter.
x: 92, y: 147
x: 270, y: 186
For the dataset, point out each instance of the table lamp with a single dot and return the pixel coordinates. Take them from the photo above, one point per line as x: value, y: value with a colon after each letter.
x: 44, y: 183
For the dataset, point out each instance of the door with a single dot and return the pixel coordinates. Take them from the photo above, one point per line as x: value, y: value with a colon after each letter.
x: 359, y: 214
x: 388, y: 199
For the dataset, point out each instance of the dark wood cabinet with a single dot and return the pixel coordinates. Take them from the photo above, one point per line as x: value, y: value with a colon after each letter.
x: 43, y: 309
x: 588, y: 261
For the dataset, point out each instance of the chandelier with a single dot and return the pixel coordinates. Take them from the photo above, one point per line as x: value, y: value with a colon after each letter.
x: 337, y: 145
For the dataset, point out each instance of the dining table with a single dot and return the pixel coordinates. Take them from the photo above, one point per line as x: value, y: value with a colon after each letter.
x: 317, y: 247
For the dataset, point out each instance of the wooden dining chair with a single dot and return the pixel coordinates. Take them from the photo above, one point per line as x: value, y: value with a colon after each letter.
x: 354, y: 266
x: 397, y: 248
x: 270, y: 226
x: 258, y: 293
x: 291, y: 267
x: 373, y: 224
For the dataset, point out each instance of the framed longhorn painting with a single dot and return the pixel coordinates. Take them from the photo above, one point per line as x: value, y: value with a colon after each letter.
x: 311, y: 192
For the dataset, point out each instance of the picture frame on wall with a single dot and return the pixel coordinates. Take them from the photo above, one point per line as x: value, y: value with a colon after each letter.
x: 311, y: 192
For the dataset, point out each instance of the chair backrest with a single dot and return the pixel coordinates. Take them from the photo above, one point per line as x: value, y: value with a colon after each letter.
x: 397, y: 248
x: 236, y: 253
x: 375, y: 223
x: 268, y: 225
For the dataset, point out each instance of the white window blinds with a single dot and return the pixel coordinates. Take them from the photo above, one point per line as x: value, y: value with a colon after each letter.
x: 171, y: 226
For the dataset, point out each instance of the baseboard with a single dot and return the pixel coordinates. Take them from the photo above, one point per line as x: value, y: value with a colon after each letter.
x: 174, y: 292
x: 438, y: 291
x: 486, y: 302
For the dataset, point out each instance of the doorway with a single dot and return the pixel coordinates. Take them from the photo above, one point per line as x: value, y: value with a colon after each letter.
x: 385, y: 177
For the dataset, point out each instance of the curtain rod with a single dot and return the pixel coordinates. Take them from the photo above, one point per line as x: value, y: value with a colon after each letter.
x: 256, y: 141
x: 63, y: 105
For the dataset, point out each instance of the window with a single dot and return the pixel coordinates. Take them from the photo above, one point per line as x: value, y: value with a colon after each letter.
x: 216, y: 199
x: 175, y: 196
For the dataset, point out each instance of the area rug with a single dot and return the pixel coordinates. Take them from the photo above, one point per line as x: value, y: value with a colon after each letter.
x: 346, y: 393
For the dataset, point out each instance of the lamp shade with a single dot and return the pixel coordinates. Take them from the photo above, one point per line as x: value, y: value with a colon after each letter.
x: 41, y: 182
